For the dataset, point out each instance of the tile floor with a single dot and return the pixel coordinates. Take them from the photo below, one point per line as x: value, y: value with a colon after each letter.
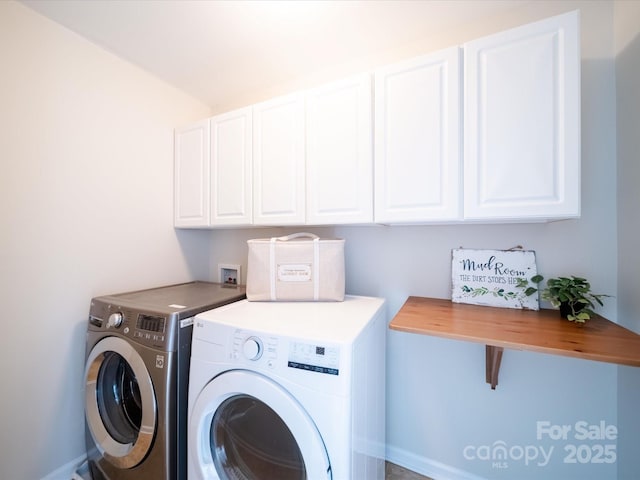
x: 396, y: 472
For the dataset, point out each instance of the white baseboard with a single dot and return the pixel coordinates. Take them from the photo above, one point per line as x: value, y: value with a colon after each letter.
x: 66, y: 471
x: 422, y: 465
x: 426, y: 466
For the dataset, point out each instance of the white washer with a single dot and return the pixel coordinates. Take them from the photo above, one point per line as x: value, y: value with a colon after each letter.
x: 288, y: 391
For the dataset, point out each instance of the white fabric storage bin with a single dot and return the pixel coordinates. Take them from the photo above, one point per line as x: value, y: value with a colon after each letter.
x: 298, y: 267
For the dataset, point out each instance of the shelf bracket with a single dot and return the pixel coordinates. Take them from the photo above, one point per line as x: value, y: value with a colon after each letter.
x: 494, y: 357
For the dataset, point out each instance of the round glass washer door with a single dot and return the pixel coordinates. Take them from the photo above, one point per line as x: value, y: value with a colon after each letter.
x: 244, y: 426
x: 120, y: 404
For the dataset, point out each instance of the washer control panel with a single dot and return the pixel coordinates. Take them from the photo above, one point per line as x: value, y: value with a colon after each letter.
x: 254, y: 348
x: 314, y: 358
x: 268, y: 351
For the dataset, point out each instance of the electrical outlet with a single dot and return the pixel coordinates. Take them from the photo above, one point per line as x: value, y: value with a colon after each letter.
x: 229, y: 274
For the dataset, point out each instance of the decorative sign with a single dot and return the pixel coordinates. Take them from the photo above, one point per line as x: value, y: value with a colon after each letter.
x: 496, y: 278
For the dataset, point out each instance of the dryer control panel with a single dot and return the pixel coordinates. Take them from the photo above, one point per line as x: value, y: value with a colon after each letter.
x: 147, y: 328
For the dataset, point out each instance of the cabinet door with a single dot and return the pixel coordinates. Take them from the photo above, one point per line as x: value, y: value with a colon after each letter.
x: 417, y: 140
x: 522, y: 122
x: 231, y: 168
x: 339, y: 153
x: 278, y: 156
x: 191, y: 175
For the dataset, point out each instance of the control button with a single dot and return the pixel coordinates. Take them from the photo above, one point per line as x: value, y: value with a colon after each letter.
x: 126, y: 330
x: 252, y: 348
x: 115, y: 320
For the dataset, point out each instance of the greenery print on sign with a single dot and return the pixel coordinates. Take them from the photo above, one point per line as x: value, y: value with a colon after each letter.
x: 498, y: 278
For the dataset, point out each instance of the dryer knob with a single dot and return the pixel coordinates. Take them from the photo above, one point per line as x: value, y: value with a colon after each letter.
x: 115, y: 320
x: 252, y: 348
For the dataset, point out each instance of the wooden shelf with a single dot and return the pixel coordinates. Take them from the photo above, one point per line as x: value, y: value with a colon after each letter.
x: 498, y: 328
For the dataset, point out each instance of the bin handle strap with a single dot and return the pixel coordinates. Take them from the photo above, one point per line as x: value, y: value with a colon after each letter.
x: 316, y: 268
x: 272, y: 269
x: 294, y: 236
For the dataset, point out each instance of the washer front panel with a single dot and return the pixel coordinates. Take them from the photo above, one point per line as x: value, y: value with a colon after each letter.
x: 292, y: 425
x: 123, y: 434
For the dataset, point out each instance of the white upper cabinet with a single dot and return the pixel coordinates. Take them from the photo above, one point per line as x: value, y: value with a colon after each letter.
x: 522, y: 123
x: 339, y: 157
x: 319, y: 158
x: 231, y: 182
x: 279, y: 162
x: 417, y: 140
x: 191, y: 175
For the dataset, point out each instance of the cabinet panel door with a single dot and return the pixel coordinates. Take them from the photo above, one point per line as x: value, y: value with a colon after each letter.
x: 191, y: 175
x: 339, y: 153
x: 278, y: 155
x: 417, y: 140
x: 231, y: 168
x: 522, y: 122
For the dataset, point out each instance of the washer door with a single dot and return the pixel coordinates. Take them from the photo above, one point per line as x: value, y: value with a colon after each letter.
x: 244, y: 426
x: 120, y: 403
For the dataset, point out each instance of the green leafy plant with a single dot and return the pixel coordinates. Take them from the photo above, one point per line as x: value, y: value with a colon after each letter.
x: 573, y: 296
x: 528, y: 288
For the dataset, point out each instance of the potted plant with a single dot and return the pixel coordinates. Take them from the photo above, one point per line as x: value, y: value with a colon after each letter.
x: 573, y: 296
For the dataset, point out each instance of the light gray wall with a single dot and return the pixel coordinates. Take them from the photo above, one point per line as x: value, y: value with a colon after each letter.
x: 627, y: 23
x: 86, y: 184
x: 87, y: 208
x: 437, y: 400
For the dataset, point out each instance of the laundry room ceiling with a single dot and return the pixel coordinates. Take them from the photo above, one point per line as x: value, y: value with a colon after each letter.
x: 217, y: 50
